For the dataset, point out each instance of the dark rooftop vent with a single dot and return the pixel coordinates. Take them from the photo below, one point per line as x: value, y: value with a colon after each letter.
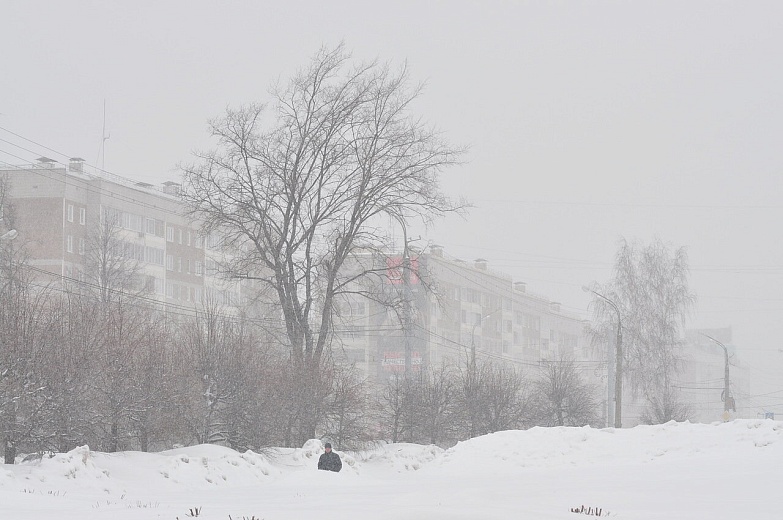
x: 76, y: 164
x: 45, y: 162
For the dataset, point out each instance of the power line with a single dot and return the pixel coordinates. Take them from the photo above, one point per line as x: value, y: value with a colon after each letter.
x: 633, y: 204
x: 183, y: 310
x: 461, y: 348
x: 48, y: 174
x: 95, y: 167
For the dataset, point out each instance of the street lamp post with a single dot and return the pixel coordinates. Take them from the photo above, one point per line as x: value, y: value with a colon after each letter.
x: 473, y: 338
x: 728, y: 401
x: 618, y: 385
x: 407, y: 311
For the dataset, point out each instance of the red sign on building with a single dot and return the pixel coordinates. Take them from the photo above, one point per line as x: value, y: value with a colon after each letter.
x: 394, y: 270
x: 395, y: 361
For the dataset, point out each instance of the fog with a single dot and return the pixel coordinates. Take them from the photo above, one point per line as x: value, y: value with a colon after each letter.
x: 585, y: 123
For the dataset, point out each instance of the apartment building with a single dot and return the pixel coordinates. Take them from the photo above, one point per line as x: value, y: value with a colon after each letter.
x: 60, y: 212
x: 459, y: 310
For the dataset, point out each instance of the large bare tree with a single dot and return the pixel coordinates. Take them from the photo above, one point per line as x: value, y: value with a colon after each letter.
x: 650, y: 289
x: 297, y: 186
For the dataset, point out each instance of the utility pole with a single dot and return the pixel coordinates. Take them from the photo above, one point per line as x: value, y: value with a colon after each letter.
x: 406, y: 304
x: 473, y: 336
x: 728, y: 400
x: 618, y: 384
x: 610, y: 389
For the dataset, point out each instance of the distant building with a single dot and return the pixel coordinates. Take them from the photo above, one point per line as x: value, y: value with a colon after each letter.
x: 56, y: 209
x: 467, y: 309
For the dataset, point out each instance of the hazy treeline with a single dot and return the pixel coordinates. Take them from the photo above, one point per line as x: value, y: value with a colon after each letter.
x: 110, y: 369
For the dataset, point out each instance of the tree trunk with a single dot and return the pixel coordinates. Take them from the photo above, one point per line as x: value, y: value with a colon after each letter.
x: 114, y: 440
x: 144, y: 439
x: 10, y: 451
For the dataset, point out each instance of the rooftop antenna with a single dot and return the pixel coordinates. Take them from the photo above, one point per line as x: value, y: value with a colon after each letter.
x: 104, y: 137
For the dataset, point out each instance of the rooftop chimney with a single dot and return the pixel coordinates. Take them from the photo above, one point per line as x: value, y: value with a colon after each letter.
x: 76, y: 164
x: 172, y: 188
x: 480, y: 263
x: 554, y: 306
x: 520, y: 286
x: 45, y: 162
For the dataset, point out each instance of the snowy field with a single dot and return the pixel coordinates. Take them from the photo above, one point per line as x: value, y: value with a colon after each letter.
x: 672, y: 471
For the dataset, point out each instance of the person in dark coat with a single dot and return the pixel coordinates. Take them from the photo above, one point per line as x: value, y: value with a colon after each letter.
x: 329, y: 460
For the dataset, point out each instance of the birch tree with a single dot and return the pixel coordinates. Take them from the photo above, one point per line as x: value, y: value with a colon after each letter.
x: 650, y: 288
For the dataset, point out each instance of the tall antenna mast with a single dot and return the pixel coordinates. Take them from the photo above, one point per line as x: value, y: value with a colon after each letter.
x: 104, y: 137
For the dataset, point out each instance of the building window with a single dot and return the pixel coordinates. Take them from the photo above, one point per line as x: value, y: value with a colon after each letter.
x: 169, y: 234
x: 199, y: 242
x: 81, y: 246
x: 170, y: 262
x: 179, y: 264
x: 82, y: 216
x: 199, y: 268
x: 69, y: 244
x: 211, y: 269
x: 70, y: 212
x: 180, y: 237
x: 155, y: 227
x: 188, y: 237
x: 213, y: 240
x: 131, y: 221
x: 153, y: 255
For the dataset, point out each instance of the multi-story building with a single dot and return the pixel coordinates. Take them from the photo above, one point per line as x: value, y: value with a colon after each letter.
x: 60, y: 213
x: 486, y: 311
x: 460, y: 311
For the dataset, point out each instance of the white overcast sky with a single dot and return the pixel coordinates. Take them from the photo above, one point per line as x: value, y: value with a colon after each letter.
x: 586, y: 121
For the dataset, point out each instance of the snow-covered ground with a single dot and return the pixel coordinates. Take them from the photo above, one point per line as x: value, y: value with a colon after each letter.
x: 672, y: 471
